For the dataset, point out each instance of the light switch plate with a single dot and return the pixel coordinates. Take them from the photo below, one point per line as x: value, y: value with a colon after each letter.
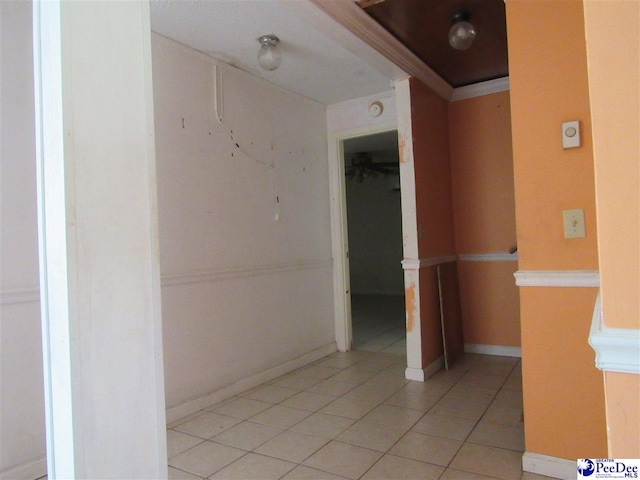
x: 571, y: 134
x: 574, y: 223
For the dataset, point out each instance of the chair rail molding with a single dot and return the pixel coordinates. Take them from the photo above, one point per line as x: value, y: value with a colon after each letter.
x: 557, y: 278
x: 418, y: 263
x: 488, y: 257
x: 217, y: 274
x: 13, y: 296
x: 617, y: 349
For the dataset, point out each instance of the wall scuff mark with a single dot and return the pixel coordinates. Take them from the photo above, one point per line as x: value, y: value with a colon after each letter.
x: 410, y: 302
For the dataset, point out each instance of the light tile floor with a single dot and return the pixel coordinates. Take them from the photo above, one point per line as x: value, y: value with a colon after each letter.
x: 354, y: 416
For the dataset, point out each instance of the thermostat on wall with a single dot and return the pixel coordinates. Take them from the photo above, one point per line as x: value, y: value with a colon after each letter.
x: 571, y: 134
x: 376, y: 108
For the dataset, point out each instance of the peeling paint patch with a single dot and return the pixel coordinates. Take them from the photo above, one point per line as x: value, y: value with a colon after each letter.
x: 410, y: 301
x: 401, y: 145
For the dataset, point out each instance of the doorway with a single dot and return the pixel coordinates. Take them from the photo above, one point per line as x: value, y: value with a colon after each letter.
x: 374, y: 238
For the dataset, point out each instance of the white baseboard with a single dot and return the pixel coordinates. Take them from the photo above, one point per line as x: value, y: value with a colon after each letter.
x: 421, y: 374
x: 192, y: 406
x: 27, y: 471
x: 549, y: 466
x: 499, y: 350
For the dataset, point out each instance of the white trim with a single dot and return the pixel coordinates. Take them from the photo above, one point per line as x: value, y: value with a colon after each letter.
x: 421, y: 374
x: 498, y: 350
x: 358, y: 22
x: 317, y: 18
x: 480, y: 89
x: 27, y: 471
x: 338, y: 216
x: 488, y: 257
x: 617, y: 349
x: 416, y: 264
x: 192, y: 406
x: 549, y: 466
x: 355, y: 113
x: 241, y: 272
x: 557, y: 278
x: 20, y: 295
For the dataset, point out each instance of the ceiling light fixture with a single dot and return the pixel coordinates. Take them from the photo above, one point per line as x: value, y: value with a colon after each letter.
x: 461, y: 33
x: 269, y: 55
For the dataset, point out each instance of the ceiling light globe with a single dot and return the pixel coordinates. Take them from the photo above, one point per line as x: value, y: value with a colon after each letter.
x: 269, y: 55
x: 461, y: 35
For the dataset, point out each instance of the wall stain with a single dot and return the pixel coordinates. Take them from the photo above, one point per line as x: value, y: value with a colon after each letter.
x: 410, y: 301
x: 401, y: 145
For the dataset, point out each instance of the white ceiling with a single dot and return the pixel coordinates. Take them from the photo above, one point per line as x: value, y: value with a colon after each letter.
x: 313, y: 63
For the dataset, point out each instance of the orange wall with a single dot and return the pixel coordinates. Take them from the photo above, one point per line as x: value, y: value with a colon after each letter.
x: 616, y: 143
x: 482, y: 171
x: 548, y: 77
x: 490, y: 303
x: 563, y: 391
x: 432, y: 171
x: 484, y: 217
x: 433, y: 205
x: 614, y: 59
x: 623, y: 414
x: 431, y: 329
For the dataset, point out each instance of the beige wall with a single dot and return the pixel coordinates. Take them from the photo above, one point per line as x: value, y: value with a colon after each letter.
x: 549, y: 86
x: 243, y: 291
x: 22, y: 443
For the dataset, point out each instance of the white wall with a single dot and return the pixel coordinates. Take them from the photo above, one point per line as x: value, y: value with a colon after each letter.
x: 242, y: 291
x: 22, y: 442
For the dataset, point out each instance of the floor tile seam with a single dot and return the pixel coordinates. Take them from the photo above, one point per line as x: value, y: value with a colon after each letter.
x: 185, y: 471
x: 404, y: 458
x: 348, y: 445
x: 478, y: 423
x: 282, y: 429
x: 457, y: 416
x: 187, y: 418
x: 228, y: 464
x: 194, y: 446
x: 476, y: 442
x: 326, y: 442
x: 216, y: 471
x: 430, y: 463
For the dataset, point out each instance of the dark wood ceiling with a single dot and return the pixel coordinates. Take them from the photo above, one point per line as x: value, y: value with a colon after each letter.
x: 423, y: 27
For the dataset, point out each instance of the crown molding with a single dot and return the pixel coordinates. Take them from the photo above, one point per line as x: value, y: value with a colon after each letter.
x: 480, y: 89
x: 354, y: 19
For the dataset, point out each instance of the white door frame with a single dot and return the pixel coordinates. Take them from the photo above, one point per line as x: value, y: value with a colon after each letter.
x: 339, y: 233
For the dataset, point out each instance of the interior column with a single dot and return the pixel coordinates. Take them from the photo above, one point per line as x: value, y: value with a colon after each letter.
x: 99, y: 262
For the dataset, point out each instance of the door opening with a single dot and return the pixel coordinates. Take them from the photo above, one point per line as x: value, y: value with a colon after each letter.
x: 374, y: 238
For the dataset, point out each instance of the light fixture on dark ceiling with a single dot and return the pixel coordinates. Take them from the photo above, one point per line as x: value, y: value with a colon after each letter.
x: 269, y: 55
x: 461, y: 33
